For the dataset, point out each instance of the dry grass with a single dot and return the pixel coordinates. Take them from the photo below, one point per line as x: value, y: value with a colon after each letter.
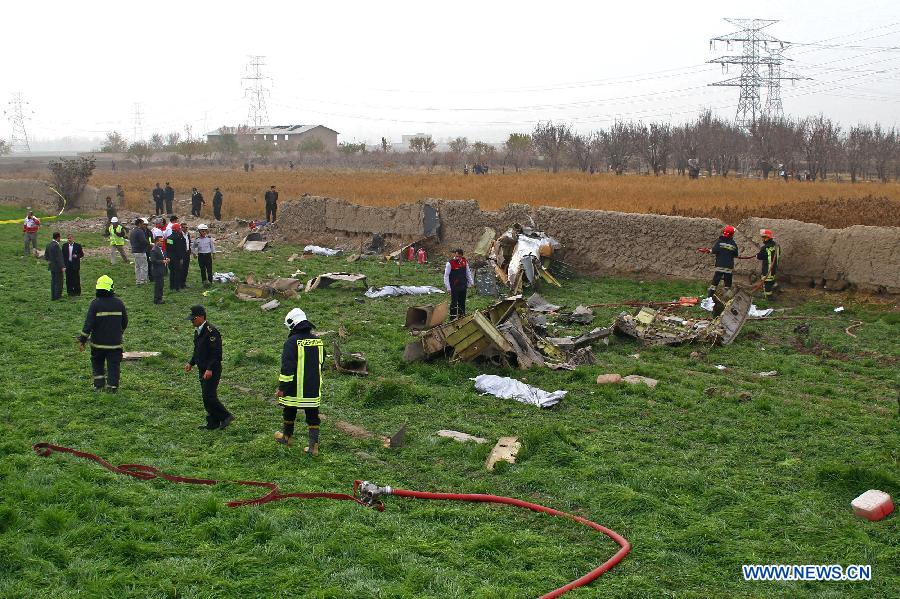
x: 667, y: 194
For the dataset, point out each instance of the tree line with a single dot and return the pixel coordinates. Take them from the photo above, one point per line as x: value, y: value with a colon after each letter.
x: 811, y: 148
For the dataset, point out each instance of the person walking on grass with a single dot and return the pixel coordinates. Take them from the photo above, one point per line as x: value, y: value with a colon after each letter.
x: 30, y: 227
x: 300, y: 379
x: 204, y: 248
x: 217, y: 204
x: 139, y: 247
x: 53, y: 254
x: 207, y: 357
x: 457, y: 280
x: 117, y: 234
x: 104, y: 325
x: 271, y: 204
x: 158, y: 263
x: 72, y: 255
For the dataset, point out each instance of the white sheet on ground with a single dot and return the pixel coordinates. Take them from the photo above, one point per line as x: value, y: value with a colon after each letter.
x: 224, y: 277
x: 757, y: 313
x: 320, y: 251
x: 507, y: 388
x: 395, y: 290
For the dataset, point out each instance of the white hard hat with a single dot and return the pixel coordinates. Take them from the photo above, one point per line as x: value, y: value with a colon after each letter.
x: 145, y: 221
x: 114, y: 219
x: 202, y: 227
x: 294, y: 317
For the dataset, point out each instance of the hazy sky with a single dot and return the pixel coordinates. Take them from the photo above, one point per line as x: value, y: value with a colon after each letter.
x: 480, y: 69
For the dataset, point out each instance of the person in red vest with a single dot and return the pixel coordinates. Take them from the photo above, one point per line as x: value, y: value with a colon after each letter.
x: 29, y: 231
x: 457, y: 280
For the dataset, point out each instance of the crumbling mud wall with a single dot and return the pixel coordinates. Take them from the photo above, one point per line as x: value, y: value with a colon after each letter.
x: 600, y: 242
x: 36, y: 193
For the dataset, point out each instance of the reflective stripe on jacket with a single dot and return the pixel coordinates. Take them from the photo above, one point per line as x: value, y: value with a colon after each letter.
x: 301, y: 370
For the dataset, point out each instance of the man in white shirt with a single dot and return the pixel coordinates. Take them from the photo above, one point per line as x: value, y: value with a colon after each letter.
x: 204, y: 248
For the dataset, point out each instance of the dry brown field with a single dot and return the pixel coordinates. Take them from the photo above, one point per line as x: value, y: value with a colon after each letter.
x: 831, y: 203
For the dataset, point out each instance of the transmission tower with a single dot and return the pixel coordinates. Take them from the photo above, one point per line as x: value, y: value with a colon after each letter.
x: 774, y: 108
x: 138, y: 122
x: 16, y: 114
x: 256, y: 90
x: 755, y: 43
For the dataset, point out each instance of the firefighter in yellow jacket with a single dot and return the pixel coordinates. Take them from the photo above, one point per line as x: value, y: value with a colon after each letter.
x: 300, y: 382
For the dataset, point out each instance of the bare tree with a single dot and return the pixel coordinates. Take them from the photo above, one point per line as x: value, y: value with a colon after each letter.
x: 580, y: 150
x: 551, y: 140
x: 654, y: 144
x: 519, y: 149
x: 820, y: 141
x: 4, y: 147
x: 884, y: 149
x: 157, y: 142
x: 857, y: 150
x: 618, y: 145
x: 458, y: 148
x: 71, y: 176
x: 115, y: 142
x: 172, y: 140
x: 140, y: 151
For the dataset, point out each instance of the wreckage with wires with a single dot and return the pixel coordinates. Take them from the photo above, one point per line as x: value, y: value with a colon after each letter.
x: 506, y: 333
x: 522, y: 257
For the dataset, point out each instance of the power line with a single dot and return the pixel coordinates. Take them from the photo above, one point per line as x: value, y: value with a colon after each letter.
x: 137, y: 122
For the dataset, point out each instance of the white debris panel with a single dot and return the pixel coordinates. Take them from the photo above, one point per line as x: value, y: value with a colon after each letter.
x: 507, y: 388
x: 397, y: 290
x: 320, y: 251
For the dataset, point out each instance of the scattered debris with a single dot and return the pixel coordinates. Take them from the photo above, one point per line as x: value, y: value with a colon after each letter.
x: 247, y: 291
x: 326, y: 279
x: 461, y: 437
x: 352, y: 363
x: 139, y: 355
x: 270, y: 305
x: 635, y: 379
x: 486, y: 282
x: 255, y: 246
x: 768, y: 373
x: 856, y: 324
x: 695, y: 355
x: 839, y: 309
x: 872, y: 505
x: 319, y: 251
x: 655, y: 328
x: 396, y: 440
x: 376, y: 246
x: 397, y: 290
x: 609, y: 379
x: 253, y: 289
x: 506, y: 450
x: 507, y: 388
x: 536, y: 303
x: 293, y: 257
x: 581, y: 315
x: 224, y: 277
x: 721, y: 367
x: 755, y: 312
x: 426, y: 317
x: 802, y: 329
x: 483, y: 247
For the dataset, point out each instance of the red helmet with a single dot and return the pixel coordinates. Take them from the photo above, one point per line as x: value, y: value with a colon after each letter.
x: 728, y: 231
x: 767, y: 233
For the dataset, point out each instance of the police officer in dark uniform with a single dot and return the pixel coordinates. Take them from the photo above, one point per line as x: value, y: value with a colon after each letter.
x: 169, y: 195
x: 217, y: 204
x: 158, y: 198
x: 300, y: 380
x: 196, y: 202
x: 207, y: 358
x: 106, y: 320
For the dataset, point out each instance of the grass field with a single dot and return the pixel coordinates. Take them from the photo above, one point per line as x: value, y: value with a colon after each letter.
x: 699, y: 481
x: 729, y: 198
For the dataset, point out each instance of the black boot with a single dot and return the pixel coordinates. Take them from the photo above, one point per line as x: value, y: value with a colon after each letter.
x: 313, y: 447
x: 286, y: 436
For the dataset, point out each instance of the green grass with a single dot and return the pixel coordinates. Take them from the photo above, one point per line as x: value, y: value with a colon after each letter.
x: 700, y: 482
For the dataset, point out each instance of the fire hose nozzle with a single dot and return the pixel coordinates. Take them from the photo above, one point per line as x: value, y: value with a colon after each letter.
x: 370, y: 493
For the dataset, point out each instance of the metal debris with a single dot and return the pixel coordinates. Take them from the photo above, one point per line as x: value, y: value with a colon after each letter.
x: 426, y: 317
x: 326, y: 279
x: 506, y: 450
x: 460, y: 437
x: 350, y: 363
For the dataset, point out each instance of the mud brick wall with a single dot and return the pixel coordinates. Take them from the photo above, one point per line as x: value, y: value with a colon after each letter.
x: 600, y: 242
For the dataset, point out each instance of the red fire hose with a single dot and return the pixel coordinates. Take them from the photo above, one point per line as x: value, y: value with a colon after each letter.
x: 366, y: 494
